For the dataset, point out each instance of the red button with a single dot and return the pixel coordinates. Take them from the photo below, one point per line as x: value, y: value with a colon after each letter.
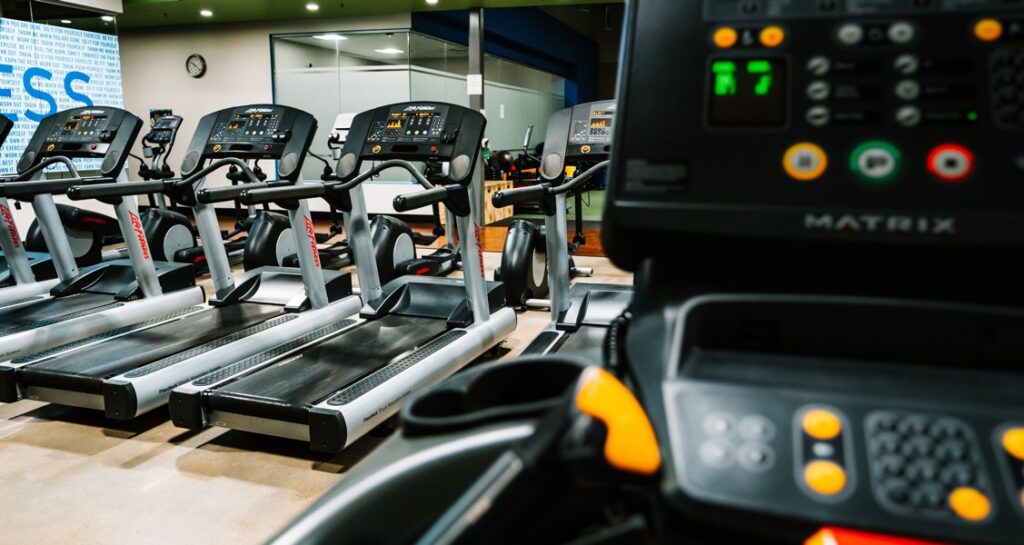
x: 92, y: 146
x: 266, y: 147
x: 433, y: 149
x: 951, y: 163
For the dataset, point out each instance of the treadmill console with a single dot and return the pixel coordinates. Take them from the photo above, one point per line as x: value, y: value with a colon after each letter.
x: 416, y: 131
x: 97, y: 132
x: 581, y: 134
x: 164, y: 129
x: 259, y: 131
x: 881, y: 122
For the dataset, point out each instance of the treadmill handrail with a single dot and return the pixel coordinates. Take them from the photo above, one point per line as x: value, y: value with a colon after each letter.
x: 235, y: 192
x: 116, y: 189
x: 41, y: 187
x: 257, y: 195
x: 517, y: 195
x: 216, y: 165
x: 45, y: 163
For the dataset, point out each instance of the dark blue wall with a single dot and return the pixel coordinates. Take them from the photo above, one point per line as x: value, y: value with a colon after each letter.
x: 528, y: 36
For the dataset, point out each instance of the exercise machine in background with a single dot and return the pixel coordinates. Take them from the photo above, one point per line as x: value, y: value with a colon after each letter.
x: 838, y: 363
x: 131, y: 371
x: 414, y: 331
x: 579, y: 137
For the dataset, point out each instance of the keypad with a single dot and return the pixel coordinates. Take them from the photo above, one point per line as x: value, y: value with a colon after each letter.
x: 917, y: 461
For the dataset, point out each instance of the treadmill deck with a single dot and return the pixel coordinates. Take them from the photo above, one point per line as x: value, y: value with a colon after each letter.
x: 51, y: 310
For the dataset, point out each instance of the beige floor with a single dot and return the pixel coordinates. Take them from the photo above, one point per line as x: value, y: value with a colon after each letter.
x: 69, y: 476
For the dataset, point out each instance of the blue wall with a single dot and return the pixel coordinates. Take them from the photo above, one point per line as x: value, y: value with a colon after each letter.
x: 528, y: 36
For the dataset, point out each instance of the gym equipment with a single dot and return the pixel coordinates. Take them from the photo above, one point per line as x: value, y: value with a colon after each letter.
x: 582, y: 313
x: 838, y: 361
x: 332, y: 388
x: 132, y: 371
x: 41, y: 314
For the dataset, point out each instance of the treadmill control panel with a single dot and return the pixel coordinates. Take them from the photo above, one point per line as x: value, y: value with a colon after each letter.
x: 578, y: 135
x: 892, y: 122
x: 416, y: 131
x: 259, y: 131
x: 164, y: 129
x: 92, y: 132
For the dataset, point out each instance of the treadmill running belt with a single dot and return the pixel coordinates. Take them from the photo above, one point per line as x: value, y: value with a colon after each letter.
x: 586, y: 342
x: 286, y: 390
x: 19, y: 318
x: 84, y: 370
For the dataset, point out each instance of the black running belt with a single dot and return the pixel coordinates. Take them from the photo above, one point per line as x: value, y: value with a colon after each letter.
x: 286, y: 390
x: 587, y: 342
x: 24, y: 318
x: 83, y: 370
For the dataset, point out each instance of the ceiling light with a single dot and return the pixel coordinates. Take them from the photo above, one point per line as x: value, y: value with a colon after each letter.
x: 331, y: 37
x: 107, y: 18
x: 389, y: 51
x: 312, y: 6
x: 66, y: 21
x: 206, y: 12
x: 432, y: 2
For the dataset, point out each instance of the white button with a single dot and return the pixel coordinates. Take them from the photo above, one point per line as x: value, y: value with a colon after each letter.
x: 951, y: 164
x: 850, y: 34
x: 876, y: 163
x: 908, y: 89
x: 901, y: 33
x: 906, y: 64
x: 756, y: 457
x: 823, y: 450
x: 719, y: 424
x: 908, y: 116
x: 818, y: 116
x: 818, y: 90
x: 716, y: 453
x: 757, y: 428
x: 819, y: 65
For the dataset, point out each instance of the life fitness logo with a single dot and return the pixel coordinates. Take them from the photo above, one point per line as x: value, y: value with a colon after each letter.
x: 139, y: 234
x: 9, y: 221
x: 479, y: 247
x: 311, y: 235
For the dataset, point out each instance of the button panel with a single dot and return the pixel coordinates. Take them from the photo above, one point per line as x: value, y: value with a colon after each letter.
x: 1008, y: 441
x: 824, y: 453
x: 737, y: 440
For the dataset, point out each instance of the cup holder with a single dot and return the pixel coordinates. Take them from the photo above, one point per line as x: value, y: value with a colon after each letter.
x: 499, y: 391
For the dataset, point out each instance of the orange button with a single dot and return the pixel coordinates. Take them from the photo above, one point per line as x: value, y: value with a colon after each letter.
x: 970, y: 504
x: 805, y: 161
x: 1013, y: 442
x: 821, y: 424
x: 988, y: 30
x: 631, y: 444
x: 825, y: 478
x: 725, y: 37
x: 772, y: 36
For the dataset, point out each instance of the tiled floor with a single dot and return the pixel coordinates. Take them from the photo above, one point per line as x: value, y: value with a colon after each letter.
x: 69, y: 476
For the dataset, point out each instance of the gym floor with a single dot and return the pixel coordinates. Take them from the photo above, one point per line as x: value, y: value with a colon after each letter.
x: 73, y: 477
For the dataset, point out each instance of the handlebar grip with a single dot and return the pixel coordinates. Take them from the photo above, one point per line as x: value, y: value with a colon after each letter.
x: 223, y: 194
x: 99, y: 191
x: 412, y: 201
x: 519, y: 195
x: 265, y: 195
x: 55, y: 187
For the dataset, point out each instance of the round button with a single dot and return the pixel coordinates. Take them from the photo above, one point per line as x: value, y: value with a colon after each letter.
x: 756, y: 428
x: 908, y: 89
x: 901, y: 32
x: 818, y: 90
x: 716, y: 453
x: 906, y: 64
x: 756, y: 457
x: 818, y: 116
x: 951, y: 163
x: 825, y: 478
x: 908, y: 116
x: 821, y: 424
x: 823, y: 450
x: 850, y: 34
x: 805, y: 162
x: 819, y: 65
x: 876, y: 161
x: 970, y: 504
x: 719, y: 424
x: 1013, y: 443
x: 772, y: 36
x: 724, y: 37
x: 988, y: 30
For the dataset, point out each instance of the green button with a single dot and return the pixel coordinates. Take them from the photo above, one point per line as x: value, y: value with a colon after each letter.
x: 876, y: 162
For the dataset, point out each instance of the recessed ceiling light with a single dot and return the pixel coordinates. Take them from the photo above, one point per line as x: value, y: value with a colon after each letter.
x: 206, y: 12
x: 432, y: 2
x: 312, y: 6
x: 66, y: 21
x: 389, y: 51
x: 107, y: 18
x: 331, y: 37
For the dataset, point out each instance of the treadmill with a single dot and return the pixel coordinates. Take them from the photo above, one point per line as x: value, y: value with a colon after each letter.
x: 78, y: 304
x: 131, y: 371
x: 580, y: 314
x: 413, y: 332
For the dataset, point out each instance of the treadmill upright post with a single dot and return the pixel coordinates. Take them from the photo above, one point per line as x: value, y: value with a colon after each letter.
x: 558, y: 258
x: 357, y: 223
x: 213, y: 244
x: 473, y: 267
x: 305, y: 245
x: 53, y: 233
x: 14, y: 249
x: 127, y: 211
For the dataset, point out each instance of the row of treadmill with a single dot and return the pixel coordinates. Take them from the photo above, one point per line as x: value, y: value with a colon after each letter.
x: 289, y: 351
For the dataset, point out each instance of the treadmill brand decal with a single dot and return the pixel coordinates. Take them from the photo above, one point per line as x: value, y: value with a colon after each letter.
x: 140, y: 234
x: 311, y: 235
x: 479, y: 248
x: 878, y: 223
x: 9, y: 222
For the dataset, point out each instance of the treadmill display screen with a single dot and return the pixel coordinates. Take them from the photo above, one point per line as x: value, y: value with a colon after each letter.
x: 81, y: 128
x: 747, y: 92
x: 251, y: 126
